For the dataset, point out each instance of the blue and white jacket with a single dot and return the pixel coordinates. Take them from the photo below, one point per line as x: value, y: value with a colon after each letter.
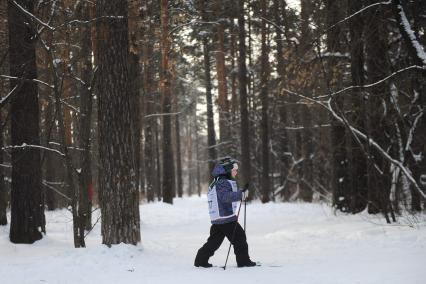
x: 223, y: 197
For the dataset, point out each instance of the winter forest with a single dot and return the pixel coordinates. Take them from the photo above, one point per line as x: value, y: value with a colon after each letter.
x: 114, y: 113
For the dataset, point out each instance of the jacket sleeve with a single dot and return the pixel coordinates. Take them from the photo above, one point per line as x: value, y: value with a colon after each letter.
x: 225, y: 193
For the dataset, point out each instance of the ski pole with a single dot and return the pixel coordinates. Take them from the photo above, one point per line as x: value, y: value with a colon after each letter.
x: 245, y: 213
x: 233, y: 236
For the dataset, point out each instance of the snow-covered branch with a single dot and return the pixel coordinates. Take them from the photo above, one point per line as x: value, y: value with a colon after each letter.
x: 415, y: 48
x: 6, y: 98
x: 361, y: 135
x: 85, y: 22
x: 161, y: 114
x: 56, y: 190
x: 359, y: 12
x: 30, y: 15
x: 24, y: 145
x: 413, y: 67
x: 28, y: 80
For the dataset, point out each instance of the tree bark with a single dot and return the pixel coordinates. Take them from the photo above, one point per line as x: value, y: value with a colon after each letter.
x: 304, y: 114
x: 27, y: 208
x: 4, y: 86
x: 242, y: 85
x: 117, y: 184
x: 264, y: 125
x: 358, y: 194
x: 211, y: 136
x: 341, y: 184
x: 377, y: 68
x: 148, y: 85
x: 86, y: 100
x: 165, y: 80
x: 223, y: 102
x: 179, y: 181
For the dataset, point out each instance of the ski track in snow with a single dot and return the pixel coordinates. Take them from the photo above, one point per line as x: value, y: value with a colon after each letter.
x: 295, y: 242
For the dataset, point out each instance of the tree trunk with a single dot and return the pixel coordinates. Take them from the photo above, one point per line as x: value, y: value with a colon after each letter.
x: 4, y: 89
x: 85, y: 178
x: 51, y: 160
x: 340, y: 184
x: 197, y: 147
x: 377, y: 68
x: 135, y: 72
x: 358, y: 200
x: 304, y: 114
x: 27, y: 208
x: 223, y: 103
x: 279, y: 9
x: 211, y: 136
x: 179, y: 182
x: 148, y: 84
x: 265, y: 182
x: 418, y: 83
x: 165, y: 78
x: 135, y: 108
x: 117, y: 184
x: 242, y: 80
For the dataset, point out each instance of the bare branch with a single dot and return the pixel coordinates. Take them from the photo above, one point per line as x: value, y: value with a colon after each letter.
x: 422, y: 68
x: 161, y: 114
x: 55, y: 190
x: 359, y: 134
x: 415, y: 48
x: 31, y: 16
x: 27, y: 80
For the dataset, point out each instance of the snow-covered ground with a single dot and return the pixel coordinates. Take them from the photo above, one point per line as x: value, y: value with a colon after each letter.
x: 296, y: 243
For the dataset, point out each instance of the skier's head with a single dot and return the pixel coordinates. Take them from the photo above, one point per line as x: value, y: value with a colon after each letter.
x: 226, y: 167
x: 229, y: 164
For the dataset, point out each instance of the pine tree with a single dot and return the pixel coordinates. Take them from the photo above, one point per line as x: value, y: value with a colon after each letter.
x: 165, y: 81
x: 242, y: 85
x: 3, y: 91
x: 27, y: 208
x: 117, y: 185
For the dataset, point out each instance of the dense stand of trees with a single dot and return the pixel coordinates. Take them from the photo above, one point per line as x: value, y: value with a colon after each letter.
x: 105, y: 104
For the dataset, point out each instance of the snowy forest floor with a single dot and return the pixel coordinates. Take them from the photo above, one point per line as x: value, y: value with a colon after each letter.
x: 295, y: 242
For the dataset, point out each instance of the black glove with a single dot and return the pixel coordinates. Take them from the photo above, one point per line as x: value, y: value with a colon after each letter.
x: 246, y: 187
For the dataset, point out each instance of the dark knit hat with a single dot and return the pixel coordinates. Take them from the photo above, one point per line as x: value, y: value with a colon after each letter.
x: 228, y: 164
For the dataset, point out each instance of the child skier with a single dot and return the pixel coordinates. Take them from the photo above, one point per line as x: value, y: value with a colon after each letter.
x: 223, y: 197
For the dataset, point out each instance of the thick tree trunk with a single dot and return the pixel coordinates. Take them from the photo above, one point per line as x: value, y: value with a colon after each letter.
x: 165, y: 80
x: 358, y: 160
x: 27, y: 208
x: 340, y: 184
x: 4, y: 89
x: 117, y: 184
x: 377, y: 68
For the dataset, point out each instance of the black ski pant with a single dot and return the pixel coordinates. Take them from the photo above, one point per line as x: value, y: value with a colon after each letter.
x: 217, y: 233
